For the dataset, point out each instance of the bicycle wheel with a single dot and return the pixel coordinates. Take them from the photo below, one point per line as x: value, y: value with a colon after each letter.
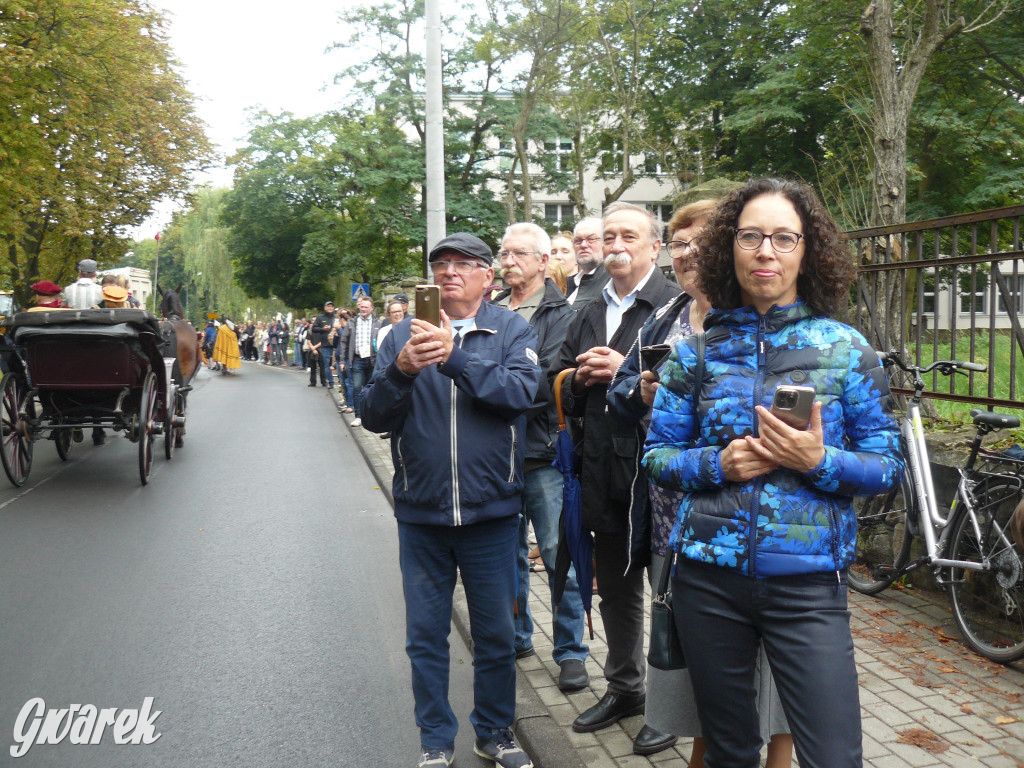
x: 882, y: 538
x: 988, y: 606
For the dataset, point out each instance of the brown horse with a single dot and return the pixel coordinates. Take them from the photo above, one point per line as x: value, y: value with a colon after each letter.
x: 185, y: 341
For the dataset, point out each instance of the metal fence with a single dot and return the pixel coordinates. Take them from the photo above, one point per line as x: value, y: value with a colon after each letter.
x: 949, y: 288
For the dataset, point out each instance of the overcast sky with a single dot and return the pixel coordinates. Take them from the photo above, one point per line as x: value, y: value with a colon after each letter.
x: 235, y: 56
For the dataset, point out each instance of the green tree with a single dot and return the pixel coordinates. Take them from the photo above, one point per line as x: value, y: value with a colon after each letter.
x: 320, y: 198
x: 96, y: 126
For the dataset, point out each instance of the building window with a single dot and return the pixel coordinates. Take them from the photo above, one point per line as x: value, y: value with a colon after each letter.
x: 562, y: 150
x: 975, y: 300
x: 560, y: 214
x: 663, y: 213
x: 611, y: 155
x: 654, y: 166
x: 1016, y: 289
x: 505, y: 154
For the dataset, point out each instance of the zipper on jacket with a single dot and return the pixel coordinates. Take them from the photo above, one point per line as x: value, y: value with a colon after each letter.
x: 401, y: 461
x: 637, y: 477
x: 454, y: 448
x: 833, y: 519
x: 759, y: 482
x: 512, y: 457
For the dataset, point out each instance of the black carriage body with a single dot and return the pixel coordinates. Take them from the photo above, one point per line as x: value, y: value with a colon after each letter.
x: 77, y: 369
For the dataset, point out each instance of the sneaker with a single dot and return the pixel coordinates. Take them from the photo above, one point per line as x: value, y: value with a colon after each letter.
x: 501, y: 747
x: 436, y: 758
x: 356, y: 423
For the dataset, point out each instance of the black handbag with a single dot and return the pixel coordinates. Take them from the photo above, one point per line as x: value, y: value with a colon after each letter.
x: 665, y: 651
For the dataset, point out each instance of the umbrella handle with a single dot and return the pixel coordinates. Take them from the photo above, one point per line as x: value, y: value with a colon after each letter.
x: 558, y: 395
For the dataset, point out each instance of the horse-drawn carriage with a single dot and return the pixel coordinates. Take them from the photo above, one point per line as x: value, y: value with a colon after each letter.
x: 71, y: 370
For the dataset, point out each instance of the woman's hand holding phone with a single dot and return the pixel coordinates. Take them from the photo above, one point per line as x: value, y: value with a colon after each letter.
x: 797, y: 449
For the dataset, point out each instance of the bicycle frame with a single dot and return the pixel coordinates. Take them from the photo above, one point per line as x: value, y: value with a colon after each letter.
x: 930, y: 520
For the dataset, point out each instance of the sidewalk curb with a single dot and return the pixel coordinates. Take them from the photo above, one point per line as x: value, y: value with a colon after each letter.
x: 541, y: 737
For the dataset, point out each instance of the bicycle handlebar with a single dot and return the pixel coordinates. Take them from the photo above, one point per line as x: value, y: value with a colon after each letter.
x: 945, y: 367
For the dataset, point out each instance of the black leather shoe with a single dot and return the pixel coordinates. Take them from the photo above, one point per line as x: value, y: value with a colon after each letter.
x: 573, y: 676
x: 650, y: 741
x: 525, y: 653
x: 609, y: 710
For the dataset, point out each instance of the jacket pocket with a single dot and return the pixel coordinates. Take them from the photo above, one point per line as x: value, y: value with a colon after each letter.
x: 620, y: 471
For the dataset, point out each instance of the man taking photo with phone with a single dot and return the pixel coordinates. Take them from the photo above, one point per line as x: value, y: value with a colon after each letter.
x: 455, y: 398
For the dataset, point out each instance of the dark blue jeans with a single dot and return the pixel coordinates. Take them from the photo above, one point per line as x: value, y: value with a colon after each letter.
x: 805, y: 625
x: 485, y: 554
x: 325, y: 364
x: 361, y: 370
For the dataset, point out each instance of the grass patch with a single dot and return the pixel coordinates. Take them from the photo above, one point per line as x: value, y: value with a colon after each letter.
x: 999, y: 361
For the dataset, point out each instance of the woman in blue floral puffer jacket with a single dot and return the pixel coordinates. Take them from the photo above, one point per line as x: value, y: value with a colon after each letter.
x: 766, y: 529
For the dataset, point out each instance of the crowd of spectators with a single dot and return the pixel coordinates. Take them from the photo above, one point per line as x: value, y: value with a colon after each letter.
x: 683, y: 468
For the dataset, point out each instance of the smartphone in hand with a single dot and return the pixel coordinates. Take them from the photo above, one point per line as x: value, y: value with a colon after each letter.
x: 793, y: 404
x: 428, y: 304
x: 653, y: 356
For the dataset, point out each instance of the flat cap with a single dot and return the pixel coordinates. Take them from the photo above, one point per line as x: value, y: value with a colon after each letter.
x: 87, y: 265
x: 466, y: 244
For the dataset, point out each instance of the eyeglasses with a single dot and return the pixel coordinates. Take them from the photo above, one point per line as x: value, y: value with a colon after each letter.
x: 678, y: 247
x: 516, y: 254
x: 578, y: 241
x: 751, y: 239
x: 462, y: 267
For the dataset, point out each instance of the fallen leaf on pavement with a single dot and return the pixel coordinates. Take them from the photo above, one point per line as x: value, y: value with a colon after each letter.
x: 1006, y: 720
x: 923, y: 738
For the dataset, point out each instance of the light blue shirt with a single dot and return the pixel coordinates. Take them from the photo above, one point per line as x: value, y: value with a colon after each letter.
x: 615, y: 307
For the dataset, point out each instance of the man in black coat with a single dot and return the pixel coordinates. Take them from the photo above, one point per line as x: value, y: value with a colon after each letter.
x: 596, y: 343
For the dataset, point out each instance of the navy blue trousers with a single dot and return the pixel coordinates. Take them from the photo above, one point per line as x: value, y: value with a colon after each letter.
x: 485, y: 554
x: 805, y: 624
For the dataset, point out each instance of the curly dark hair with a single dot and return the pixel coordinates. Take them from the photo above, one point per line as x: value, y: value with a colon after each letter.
x: 828, y: 270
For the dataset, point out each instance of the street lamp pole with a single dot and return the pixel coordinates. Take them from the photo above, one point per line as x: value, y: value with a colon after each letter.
x: 435, y: 127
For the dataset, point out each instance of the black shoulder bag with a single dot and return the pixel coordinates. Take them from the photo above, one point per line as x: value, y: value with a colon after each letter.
x: 665, y: 651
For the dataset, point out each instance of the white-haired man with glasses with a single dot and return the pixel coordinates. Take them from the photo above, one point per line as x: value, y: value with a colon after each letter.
x: 455, y: 399
x: 525, y: 251
x: 587, y: 284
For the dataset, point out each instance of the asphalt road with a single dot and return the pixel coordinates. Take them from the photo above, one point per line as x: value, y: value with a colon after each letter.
x: 251, y: 589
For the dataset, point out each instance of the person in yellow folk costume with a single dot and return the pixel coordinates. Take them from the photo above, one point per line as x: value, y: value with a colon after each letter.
x: 225, y: 350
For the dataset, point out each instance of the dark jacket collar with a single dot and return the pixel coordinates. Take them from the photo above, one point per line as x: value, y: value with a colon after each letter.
x: 552, y: 295
x: 774, y: 319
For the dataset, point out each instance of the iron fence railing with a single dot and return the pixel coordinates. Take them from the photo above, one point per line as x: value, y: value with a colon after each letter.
x: 948, y: 288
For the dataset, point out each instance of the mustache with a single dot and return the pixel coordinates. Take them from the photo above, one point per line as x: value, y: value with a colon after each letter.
x: 618, y: 258
x: 512, y: 271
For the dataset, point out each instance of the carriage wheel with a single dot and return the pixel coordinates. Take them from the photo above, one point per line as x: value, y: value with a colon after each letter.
x: 147, y: 425
x: 16, y: 448
x: 169, y: 431
x: 180, y: 404
x: 63, y: 440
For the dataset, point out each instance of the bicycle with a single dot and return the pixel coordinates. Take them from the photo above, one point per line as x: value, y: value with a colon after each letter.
x: 970, y: 548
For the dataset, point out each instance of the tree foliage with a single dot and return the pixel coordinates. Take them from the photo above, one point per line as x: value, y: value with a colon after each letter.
x: 95, y: 127
x: 320, y: 198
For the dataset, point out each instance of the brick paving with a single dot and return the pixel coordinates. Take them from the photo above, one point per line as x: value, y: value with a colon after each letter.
x: 926, y: 699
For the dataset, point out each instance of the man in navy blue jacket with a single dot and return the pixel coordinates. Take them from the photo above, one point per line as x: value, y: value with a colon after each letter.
x: 455, y: 399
